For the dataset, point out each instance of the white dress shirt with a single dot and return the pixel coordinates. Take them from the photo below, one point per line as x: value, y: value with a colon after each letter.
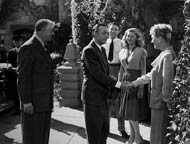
x: 117, y: 43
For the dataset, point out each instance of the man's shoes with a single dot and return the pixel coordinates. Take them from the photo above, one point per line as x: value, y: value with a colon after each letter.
x: 124, y: 134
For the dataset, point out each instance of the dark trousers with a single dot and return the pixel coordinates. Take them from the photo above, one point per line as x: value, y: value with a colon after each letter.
x: 97, y: 123
x: 114, y: 106
x: 36, y: 127
x: 114, y: 102
x: 15, y: 95
x: 11, y: 86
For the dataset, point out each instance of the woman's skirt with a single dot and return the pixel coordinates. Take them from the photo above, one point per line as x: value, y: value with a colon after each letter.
x: 132, y: 107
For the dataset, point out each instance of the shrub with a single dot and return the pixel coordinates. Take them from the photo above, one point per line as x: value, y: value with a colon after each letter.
x: 180, y: 102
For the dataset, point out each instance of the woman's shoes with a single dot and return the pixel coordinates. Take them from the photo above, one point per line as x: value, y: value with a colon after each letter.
x: 130, y: 141
x: 138, y: 141
x: 124, y: 134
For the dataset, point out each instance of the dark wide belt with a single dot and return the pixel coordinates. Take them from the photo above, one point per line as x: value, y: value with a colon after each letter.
x: 114, y: 64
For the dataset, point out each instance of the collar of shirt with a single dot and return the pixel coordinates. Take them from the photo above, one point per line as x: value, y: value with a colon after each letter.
x: 98, y: 46
x: 109, y: 40
x: 117, y: 48
x: 40, y: 40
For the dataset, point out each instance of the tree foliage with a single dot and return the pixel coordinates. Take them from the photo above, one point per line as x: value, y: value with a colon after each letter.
x: 86, y: 14
x: 180, y: 102
x: 9, y: 7
x: 127, y: 13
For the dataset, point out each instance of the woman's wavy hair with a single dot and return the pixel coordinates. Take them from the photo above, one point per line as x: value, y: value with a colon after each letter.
x: 162, y: 30
x: 139, y: 37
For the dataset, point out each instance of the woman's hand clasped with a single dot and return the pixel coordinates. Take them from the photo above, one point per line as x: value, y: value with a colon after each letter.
x: 126, y: 85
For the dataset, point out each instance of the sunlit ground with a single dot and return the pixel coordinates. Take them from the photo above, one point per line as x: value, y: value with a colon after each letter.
x: 67, y: 128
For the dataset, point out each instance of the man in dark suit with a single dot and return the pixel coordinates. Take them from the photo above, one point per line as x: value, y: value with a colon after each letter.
x: 35, y: 84
x: 11, y: 74
x: 95, y: 87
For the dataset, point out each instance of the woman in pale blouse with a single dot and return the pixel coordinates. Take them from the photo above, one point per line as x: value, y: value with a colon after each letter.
x: 161, y: 77
x: 133, y: 64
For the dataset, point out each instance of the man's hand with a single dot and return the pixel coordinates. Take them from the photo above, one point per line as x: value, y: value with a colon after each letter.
x: 126, y: 85
x: 113, y: 77
x: 28, y: 108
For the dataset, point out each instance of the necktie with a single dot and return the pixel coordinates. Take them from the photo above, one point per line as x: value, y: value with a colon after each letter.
x: 103, y: 51
x: 110, y: 56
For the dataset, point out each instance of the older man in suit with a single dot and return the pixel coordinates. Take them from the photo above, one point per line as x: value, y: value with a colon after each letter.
x: 35, y: 84
x: 96, y: 85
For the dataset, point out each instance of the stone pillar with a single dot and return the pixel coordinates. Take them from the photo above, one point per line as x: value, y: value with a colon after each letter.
x: 72, y: 54
x: 71, y: 78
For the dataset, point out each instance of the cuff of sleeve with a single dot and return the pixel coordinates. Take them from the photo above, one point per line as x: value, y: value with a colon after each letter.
x: 118, y: 84
x: 26, y: 100
x: 135, y: 83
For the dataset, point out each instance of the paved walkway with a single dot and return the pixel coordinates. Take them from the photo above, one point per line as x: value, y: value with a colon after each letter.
x: 67, y: 128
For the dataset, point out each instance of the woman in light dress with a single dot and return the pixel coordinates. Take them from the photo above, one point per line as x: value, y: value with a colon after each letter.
x: 161, y: 77
x: 133, y: 65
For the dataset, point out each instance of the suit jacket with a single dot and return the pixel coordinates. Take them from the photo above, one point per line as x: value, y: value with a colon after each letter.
x: 35, y: 75
x: 96, y: 82
x: 162, y: 75
x: 12, y: 57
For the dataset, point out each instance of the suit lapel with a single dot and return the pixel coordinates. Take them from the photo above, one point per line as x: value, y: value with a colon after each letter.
x: 105, y: 56
x: 102, y: 56
x: 43, y: 52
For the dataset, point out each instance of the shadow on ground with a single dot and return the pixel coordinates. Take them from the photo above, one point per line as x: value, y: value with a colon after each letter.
x: 7, y: 140
x: 119, y: 138
x: 67, y: 128
x: 8, y: 123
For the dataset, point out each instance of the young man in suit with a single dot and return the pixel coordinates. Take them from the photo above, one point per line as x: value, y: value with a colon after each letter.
x: 12, y: 55
x: 113, y: 47
x: 35, y: 84
x: 12, y: 74
x: 95, y: 87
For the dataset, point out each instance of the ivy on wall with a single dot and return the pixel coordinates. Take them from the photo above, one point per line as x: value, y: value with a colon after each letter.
x: 180, y: 102
x: 84, y: 15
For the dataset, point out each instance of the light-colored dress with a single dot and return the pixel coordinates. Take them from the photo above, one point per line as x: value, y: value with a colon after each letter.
x: 161, y: 77
x: 133, y: 106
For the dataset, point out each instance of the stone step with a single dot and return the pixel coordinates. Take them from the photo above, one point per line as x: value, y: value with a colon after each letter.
x: 70, y: 93
x: 70, y: 102
x: 70, y: 85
